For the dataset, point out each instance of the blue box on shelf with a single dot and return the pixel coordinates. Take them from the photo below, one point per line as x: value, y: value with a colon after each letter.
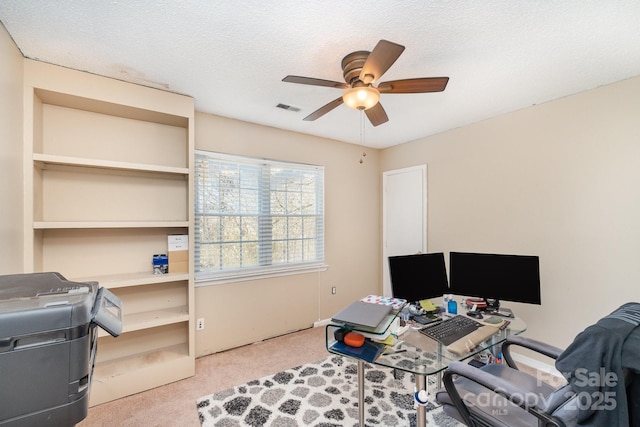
x: 160, y: 264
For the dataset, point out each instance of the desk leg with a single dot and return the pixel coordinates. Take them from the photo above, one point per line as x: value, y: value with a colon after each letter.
x: 361, y: 392
x: 421, y: 384
x: 439, y: 360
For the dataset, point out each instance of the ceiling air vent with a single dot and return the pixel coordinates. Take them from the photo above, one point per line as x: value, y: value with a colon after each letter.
x: 288, y: 107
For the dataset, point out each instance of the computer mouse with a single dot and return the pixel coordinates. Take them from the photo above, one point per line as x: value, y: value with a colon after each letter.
x: 475, y: 314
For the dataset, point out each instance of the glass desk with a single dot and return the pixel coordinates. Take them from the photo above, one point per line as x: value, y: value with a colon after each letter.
x: 415, y: 353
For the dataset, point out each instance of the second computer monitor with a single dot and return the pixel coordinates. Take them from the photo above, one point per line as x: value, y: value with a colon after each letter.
x: 495, y: 276
x: 418, y: 277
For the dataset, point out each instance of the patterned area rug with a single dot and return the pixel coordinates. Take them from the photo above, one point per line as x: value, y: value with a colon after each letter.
x: 319, y: 394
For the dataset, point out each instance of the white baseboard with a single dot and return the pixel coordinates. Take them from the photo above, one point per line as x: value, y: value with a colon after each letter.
x: 323, y: 322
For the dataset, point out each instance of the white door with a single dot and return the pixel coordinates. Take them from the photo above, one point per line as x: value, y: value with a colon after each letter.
x: 404, y: 216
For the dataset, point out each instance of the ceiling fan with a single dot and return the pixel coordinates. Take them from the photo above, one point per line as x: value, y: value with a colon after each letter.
x: 360, y: 70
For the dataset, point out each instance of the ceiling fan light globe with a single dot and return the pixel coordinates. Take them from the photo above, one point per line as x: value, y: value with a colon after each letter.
x: 361, y: 98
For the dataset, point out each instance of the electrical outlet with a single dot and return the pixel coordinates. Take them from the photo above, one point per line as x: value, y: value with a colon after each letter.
x: 333, y: 290
x: 200, y: 324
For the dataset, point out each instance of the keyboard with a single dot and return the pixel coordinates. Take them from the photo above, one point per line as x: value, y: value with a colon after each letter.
x: 460, y: 334
x: 451, y: 330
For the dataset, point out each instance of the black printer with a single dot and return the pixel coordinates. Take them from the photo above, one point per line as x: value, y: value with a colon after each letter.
x: 48, y: 344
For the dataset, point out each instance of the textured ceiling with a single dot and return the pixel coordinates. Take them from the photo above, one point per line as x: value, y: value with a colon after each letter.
x: 231, y: 56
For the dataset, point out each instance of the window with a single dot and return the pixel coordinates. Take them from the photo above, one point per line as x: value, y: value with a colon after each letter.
x: 256, y: 217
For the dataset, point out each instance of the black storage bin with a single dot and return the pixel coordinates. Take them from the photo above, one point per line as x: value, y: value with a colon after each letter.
x: 48, y: 344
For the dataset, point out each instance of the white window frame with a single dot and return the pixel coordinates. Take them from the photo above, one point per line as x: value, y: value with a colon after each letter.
x: 212, y: 277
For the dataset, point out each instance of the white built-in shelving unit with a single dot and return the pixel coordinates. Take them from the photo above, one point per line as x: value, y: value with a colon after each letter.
x: 108, y: 176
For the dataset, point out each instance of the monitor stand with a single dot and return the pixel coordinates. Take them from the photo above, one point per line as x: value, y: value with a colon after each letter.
x: 492, y: 304
x: 493, y: 307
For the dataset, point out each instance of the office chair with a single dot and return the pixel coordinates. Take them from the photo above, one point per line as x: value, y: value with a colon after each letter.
x: 501, y: 395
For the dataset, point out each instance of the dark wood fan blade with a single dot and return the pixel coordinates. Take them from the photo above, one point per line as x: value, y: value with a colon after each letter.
x: 380, y: 59
x: 324, y: 110
x: 377, y: 115
x: 314, y: 82
x: 419, y: 85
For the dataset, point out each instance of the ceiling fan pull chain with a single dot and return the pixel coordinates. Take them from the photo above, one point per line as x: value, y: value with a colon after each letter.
x: 364, y: 153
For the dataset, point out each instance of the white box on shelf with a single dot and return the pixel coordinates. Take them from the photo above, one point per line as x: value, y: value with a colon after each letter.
x: 178, y: 242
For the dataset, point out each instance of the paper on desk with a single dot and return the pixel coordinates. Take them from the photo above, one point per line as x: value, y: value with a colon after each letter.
x: 427, y: 305
x: 389, y: 341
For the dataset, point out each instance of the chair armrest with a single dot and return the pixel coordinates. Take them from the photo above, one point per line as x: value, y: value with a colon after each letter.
x: 497, y: 385
x: 535, y: 345
x: 493, y: 383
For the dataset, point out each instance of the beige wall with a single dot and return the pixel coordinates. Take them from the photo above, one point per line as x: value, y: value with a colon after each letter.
x: 245, y: 312
x: 559, y: 180
x: 10, y: 155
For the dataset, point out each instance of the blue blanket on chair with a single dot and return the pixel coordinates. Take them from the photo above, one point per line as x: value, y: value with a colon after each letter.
x: 595, y: 365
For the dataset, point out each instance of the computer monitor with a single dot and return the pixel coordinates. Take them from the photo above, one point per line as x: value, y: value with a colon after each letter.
x: 495, y: 277
x: 418, y: 277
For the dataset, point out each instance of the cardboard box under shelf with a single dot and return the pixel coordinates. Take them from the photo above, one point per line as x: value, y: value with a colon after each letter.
x: 178, y: 261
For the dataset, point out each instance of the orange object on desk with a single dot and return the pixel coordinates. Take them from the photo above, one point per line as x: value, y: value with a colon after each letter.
x: 354, y: 339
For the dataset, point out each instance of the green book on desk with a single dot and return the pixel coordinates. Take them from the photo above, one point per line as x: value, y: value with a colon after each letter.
x: 368, y: 352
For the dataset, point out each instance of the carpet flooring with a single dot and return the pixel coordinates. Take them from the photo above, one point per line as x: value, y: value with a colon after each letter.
x: 319, y: 394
